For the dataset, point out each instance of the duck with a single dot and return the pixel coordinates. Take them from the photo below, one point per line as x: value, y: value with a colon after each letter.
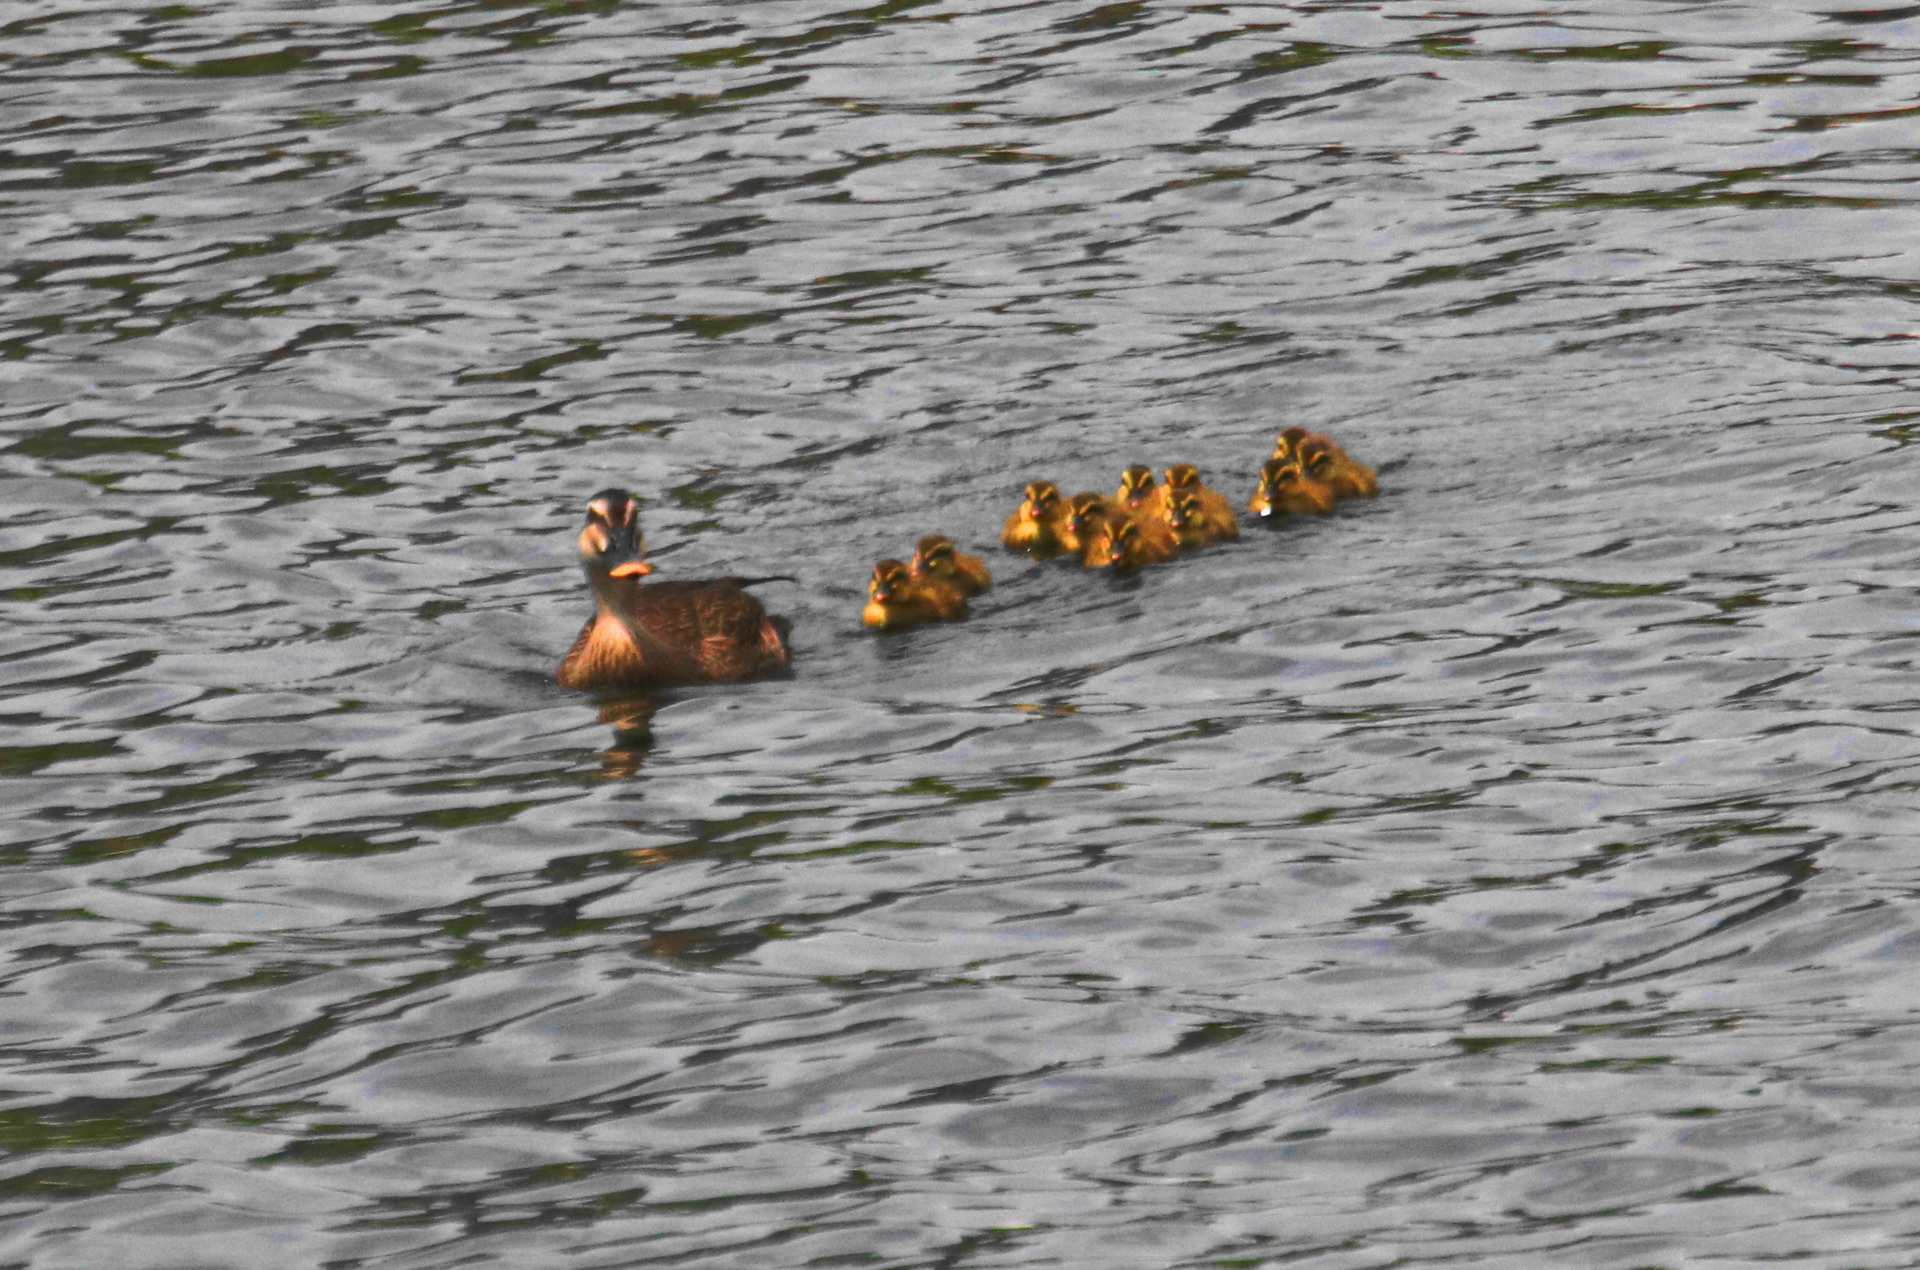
x: 1035, y: 525
x: 1192, y: 527
x: 1287, y: 444
x: 1323, y: 458
x: 897, y: 599
x: 1327, y: 462
x: 658, y: 634
x: 1136, y: 488
x: 1084, y: 512
x: 937, y: 557
x: 1286, y: 487
x: 1290, y: 442
x: 1213, y: 503
x: 1127, y: 542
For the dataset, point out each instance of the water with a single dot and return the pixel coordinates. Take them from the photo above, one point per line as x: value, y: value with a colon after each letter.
x: 1511, y: 872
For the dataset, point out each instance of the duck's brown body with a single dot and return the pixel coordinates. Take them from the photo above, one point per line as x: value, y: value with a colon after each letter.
x: 665, y: 633
x: 653, y: 635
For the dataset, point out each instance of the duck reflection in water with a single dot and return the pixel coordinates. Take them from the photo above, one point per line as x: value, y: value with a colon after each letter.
x: 631, y: 717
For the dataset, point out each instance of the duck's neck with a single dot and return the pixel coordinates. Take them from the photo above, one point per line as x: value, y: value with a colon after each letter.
x: 623, y: 605
x: 614, y: 595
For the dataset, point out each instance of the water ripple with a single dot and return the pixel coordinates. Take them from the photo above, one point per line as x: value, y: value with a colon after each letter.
x: 1504, y: 873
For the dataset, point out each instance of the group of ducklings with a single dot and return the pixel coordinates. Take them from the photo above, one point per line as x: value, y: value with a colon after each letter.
x: 1144, y: 522
x: 934, y: 588
x: 1308, y: 473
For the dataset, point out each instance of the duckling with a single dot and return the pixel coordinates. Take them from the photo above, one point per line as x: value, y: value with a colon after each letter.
x: 1192, y: 527
x: 1127, y: 542
x: 1212, y: 502
x: 1287, y: 444
x: 897, y: 599
x: 1083, y: 514
x: 662, y: 633
x: 1287, y: 487
x: 1327, y: 462
x: 936, y: 557
x: 1035, y: 525
x: 1136, y: 488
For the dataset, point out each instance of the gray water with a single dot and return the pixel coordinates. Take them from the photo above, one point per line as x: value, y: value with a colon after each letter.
x: 1508, y: 872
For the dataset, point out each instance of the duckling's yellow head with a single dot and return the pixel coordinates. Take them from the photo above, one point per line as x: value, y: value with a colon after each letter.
x: 1111, y: 540
x: 1183, y: 475
x: 888, y: 577
x: 1275, y: 476
x: 1085, y: 509
x: 1135, y: 481
x: 1280, y: 473
x: 1315, y: 455
x: 1287, y: 443
x: 1041, y: 500
x: 1182, y: 507
x: 934, y: 555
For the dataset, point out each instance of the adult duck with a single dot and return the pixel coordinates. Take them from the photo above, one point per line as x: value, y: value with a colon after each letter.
x: 653, y: 635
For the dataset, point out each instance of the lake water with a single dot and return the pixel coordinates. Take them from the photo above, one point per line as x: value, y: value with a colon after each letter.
x: 1508, y: 872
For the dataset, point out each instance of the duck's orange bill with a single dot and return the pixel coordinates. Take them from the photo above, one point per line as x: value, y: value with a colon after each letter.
x: 630, y: 569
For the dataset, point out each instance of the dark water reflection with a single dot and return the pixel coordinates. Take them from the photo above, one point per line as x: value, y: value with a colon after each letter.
x: 1506, y: 873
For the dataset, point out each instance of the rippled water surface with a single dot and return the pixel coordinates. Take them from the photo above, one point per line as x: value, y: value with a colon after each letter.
x: 1508, y: 872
